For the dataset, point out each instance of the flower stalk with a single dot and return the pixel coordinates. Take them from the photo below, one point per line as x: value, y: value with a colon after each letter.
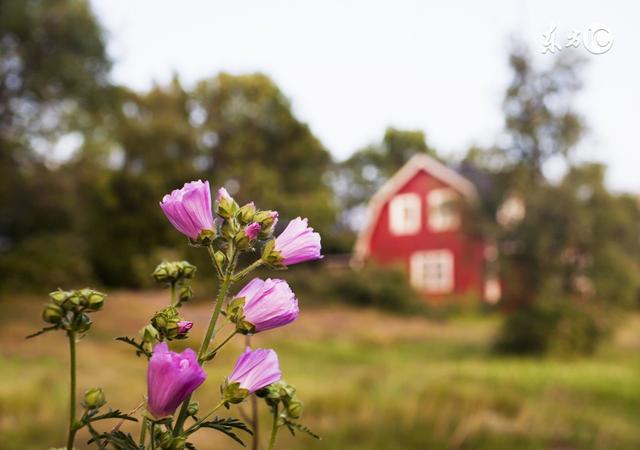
x: 72, y: 389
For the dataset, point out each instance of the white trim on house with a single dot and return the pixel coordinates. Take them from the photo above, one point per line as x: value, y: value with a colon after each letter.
x: 417, y: 163
x: 442, y: 210
x: 405, y: 214
x: 431, y: 271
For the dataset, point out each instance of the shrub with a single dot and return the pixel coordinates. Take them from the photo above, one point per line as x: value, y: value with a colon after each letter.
x: 559, y: 327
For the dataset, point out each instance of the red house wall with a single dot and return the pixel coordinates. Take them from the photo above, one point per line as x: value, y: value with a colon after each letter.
x: 387, y: 248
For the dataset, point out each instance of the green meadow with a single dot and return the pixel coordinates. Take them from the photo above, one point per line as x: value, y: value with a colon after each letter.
x: 369, y: 380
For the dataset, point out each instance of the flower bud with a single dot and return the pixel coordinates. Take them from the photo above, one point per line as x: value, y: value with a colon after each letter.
x: 82, y: 323
x: 193, y: 408
x: 227, y: 206
x: 246, y: 213
x: 294, y: 409
x: 94, y: 399
x: 185, y: 294
x: 173, y: 443
x: 59, y: 297
x: 184, y: 326
x: 95, y: 300
x: 247, y: 236
x: 149, y: 334
x: 52, y: 313
x: 267, y: 221
x: 220, y: 258
x: 187, y: 269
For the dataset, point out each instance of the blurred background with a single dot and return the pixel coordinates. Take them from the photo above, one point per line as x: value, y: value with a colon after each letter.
x: 501, y: 312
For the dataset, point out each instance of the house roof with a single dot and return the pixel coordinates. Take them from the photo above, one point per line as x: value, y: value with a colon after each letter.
x: 417, y: 163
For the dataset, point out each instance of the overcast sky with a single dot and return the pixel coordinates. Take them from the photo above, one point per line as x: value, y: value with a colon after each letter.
x: 352, y: 68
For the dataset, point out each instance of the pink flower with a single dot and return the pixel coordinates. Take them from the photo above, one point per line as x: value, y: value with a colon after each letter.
x: 252, y: 230
x: 189, y: 209
x: 171, y: 378
x: 268, y: 304
x: 298, y: 243
x: 256, y: 369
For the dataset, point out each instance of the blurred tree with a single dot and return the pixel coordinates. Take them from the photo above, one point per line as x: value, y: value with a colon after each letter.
x: 575, y: 235
x: 236, y: 131
x: 52, y: 64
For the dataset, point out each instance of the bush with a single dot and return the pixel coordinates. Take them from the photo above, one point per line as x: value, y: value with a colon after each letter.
x: 557, y: 327
x: 384, y: 288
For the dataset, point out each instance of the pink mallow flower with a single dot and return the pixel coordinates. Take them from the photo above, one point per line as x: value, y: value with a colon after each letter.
x: 298, y: 243
x: 268, y: 304
x: 252, y: 230
x: 189, y: 209
x: 256, y: 369
x: 171, y: 378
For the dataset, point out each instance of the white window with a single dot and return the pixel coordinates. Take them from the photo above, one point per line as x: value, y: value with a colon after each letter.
x: 432, y: 271
x: 443, y: 214
x: 404, y: 214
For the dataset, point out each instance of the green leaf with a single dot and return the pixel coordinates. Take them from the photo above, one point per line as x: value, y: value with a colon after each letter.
x: 115, y: 414
x: 118, y: 440
x: 44, y: 330
x: 293, y: 427
x: 226, y: 426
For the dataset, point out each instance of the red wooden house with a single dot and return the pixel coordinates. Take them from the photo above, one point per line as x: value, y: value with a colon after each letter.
x: 420, y: 219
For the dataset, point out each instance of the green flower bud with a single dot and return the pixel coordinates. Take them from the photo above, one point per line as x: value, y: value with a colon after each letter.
x: 294, y: 409
x: 59, y: 297
x: 82, y: 323
x: 193, y: 408
x: 220, y: 258
x: 95, y: 300
x: 185, y: 294
x: 52, y: 313
x: 149, y: 334
x: 227, y: 230
x: 94, y: 399
x: 188, y: 270
x: 246, y: 213
x: 173, y: 443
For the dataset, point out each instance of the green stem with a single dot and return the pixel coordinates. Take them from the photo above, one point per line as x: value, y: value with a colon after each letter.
x: 72, y: 392
x: 240, y: 275
x: 217, y: 349
x: 195, y: 425
x: 274, y: 429
x: 153, y: 435
x: 222, y: 294
x: 143, y: 433
x: 173, y: 293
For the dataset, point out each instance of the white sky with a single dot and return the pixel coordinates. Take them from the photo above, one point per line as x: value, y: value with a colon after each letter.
x: 352, y: 68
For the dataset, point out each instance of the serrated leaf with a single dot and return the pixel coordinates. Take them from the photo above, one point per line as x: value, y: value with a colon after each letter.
x: 115, y: 414
x: 118, y: 439
x: 293, y: 426
x: 44, y: 330
x: 225, y: 426
x: 140, y: 350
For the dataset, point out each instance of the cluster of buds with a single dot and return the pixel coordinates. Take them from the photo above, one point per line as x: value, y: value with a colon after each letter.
x: 165, y: 325
x: 244, y: 225
x: 69, y: 310
x: 176, y: 274
x: 282, y: 392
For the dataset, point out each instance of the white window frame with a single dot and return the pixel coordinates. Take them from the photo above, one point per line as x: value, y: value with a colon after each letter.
x: 432, y: 271
x: 439, y: 218
x: 405, y: 217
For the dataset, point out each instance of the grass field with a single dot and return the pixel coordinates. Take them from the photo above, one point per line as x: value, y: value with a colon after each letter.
x: 369, y: 381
